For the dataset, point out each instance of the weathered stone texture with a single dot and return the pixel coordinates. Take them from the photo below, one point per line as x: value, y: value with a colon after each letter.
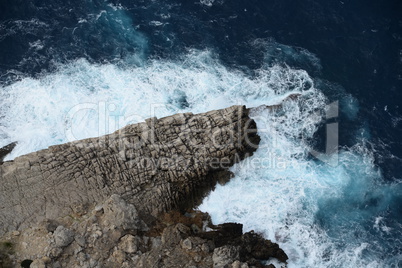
x: 158, y: 165
x: 95, y: 239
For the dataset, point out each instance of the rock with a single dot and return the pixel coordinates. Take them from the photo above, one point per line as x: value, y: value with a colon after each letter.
x: 46, y: 259
x: 50, y: 225
x: 4, y: 151
x: 80, y: 240
x: 195, y: 229
x: 117, y: 210
x: 15, y: 233
x: 262, y: 249
x: 236, y: 264
x: 225, y: 255
x: 224, y: 233
x: 38, y: 264
x: 205, y: 248
x: 173, y: 234
x: 186, y: 244
x: 63, y: 236
x: 120, y: 200
x: 119, y: 255
x: 129, y: 244
x: 55, y: 252
x: 98, y: 242
x: 197, y: 258
x: 98, y: 208
x: 156, y: 242
x: 156, y: 166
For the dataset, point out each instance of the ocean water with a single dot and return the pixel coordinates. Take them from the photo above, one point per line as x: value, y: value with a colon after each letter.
x: 76, y: 69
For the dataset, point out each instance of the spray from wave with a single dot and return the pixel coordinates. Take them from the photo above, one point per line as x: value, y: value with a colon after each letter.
x: 320, y: 214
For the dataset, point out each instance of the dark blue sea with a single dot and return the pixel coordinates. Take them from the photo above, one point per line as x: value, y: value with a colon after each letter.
x: 76, y: 69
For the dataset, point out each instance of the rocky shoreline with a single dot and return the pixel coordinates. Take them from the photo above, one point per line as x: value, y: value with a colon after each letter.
x: 125, y: 199
x: 112, y: 235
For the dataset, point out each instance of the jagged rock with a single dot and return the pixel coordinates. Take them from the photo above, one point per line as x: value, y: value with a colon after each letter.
x: 101, y: 202
x: 50, y: 225
x: 206, y: 248
x: 224, y: 256
x: 63, y: 236
x: 187, y: 244
x: 174, y: 234
x: 6, y: 250
x: 80, y: 240
x: 15, y: 233
x: 260, y: 248
x: 118, y: 256
x: 129, y: 244
x: 118, y: 212
x: 238, y: 264
x: 37, y: 264
x: 168, y: 243
x: 159, y: 165
x: 4, y: 151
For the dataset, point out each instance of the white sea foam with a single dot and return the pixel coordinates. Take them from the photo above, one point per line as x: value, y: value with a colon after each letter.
x: 207, y: 2
x: 279, y: 198
x: 282, y: 204
x: 38, y: 112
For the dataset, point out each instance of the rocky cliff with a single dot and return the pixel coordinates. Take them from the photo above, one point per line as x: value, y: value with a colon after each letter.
x: 113, y: 235
x: 101, y: 199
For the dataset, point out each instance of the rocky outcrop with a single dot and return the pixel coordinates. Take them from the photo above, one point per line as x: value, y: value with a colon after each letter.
x: 4, y: 151
x: 112, y: 235
x: 159, y: 165
x: 123, y: 200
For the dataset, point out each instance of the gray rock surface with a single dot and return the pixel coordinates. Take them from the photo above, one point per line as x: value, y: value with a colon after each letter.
x: 225, y: 256
x: 63, y: 236
x: 123, y: 200
x: 4, y: 151
x: 158, y: 165
x: 94, y: 240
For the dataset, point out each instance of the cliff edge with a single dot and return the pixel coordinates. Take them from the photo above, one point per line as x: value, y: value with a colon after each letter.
x: 107, y: 196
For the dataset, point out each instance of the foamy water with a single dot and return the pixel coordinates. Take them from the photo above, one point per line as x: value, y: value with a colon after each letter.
x: 310, y: 208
